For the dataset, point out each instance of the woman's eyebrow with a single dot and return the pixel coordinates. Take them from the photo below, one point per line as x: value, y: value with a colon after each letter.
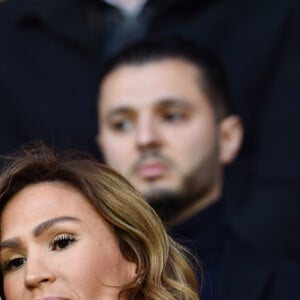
x: 11, y: 243
x: 39, y: 229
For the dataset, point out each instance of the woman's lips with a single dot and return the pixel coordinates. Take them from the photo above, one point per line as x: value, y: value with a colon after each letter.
x: 52, y: 298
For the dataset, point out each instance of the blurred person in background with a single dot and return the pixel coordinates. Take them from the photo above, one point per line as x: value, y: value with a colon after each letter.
x: 166, y: 123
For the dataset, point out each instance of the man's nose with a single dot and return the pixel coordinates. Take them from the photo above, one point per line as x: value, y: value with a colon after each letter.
x: 147, y: 134
x: 38, y: 270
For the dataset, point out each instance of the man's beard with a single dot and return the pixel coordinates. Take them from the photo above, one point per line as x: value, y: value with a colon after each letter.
x: 169, y: 203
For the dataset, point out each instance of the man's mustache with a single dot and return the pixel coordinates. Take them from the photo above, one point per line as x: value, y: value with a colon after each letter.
x: 147, y: 155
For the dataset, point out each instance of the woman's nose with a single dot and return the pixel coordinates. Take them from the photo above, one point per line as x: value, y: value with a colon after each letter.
x: 38, y: 271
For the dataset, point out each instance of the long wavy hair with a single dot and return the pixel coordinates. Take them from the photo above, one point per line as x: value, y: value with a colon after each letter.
x: 163, y: 266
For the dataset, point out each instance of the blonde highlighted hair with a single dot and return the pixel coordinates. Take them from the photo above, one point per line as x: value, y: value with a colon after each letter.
x: 164, y: 271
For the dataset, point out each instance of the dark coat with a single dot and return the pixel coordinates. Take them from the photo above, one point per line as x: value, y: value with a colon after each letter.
x: 233, y: 269
x: 250, y: 274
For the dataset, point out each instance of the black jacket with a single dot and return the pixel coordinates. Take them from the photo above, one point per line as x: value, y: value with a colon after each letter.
x: 233, y: 269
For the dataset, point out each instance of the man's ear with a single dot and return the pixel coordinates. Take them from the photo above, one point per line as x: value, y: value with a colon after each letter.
x: 231, y: 136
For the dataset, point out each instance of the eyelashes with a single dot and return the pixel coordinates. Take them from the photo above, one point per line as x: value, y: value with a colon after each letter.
x: 62, y: 241
x: 58, y: 243
x: 12, y: 264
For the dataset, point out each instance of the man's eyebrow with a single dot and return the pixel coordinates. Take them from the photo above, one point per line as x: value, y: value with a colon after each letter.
x: 39, y: 229
x: 118, y: 111
x: 179, y: 102
x: 163, y: 102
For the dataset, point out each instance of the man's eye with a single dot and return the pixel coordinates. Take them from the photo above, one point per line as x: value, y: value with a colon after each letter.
x: 174, y: 117
x: 62, y: 241
x: 122, y: 125
x: 12, y: 264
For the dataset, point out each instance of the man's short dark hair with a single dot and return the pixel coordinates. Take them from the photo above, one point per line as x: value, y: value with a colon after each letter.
x: 212, y: 75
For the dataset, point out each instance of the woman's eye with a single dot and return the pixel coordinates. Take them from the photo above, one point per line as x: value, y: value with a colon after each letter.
x: 62, y: 241
x: 12, y: 264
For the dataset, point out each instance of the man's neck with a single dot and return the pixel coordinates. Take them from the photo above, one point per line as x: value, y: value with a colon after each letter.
x: 195, y: 207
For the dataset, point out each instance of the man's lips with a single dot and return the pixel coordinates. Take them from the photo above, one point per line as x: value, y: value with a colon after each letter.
x: 151, y: 170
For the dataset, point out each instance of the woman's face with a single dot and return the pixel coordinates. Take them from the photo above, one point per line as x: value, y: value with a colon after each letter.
x: 55, y: 246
